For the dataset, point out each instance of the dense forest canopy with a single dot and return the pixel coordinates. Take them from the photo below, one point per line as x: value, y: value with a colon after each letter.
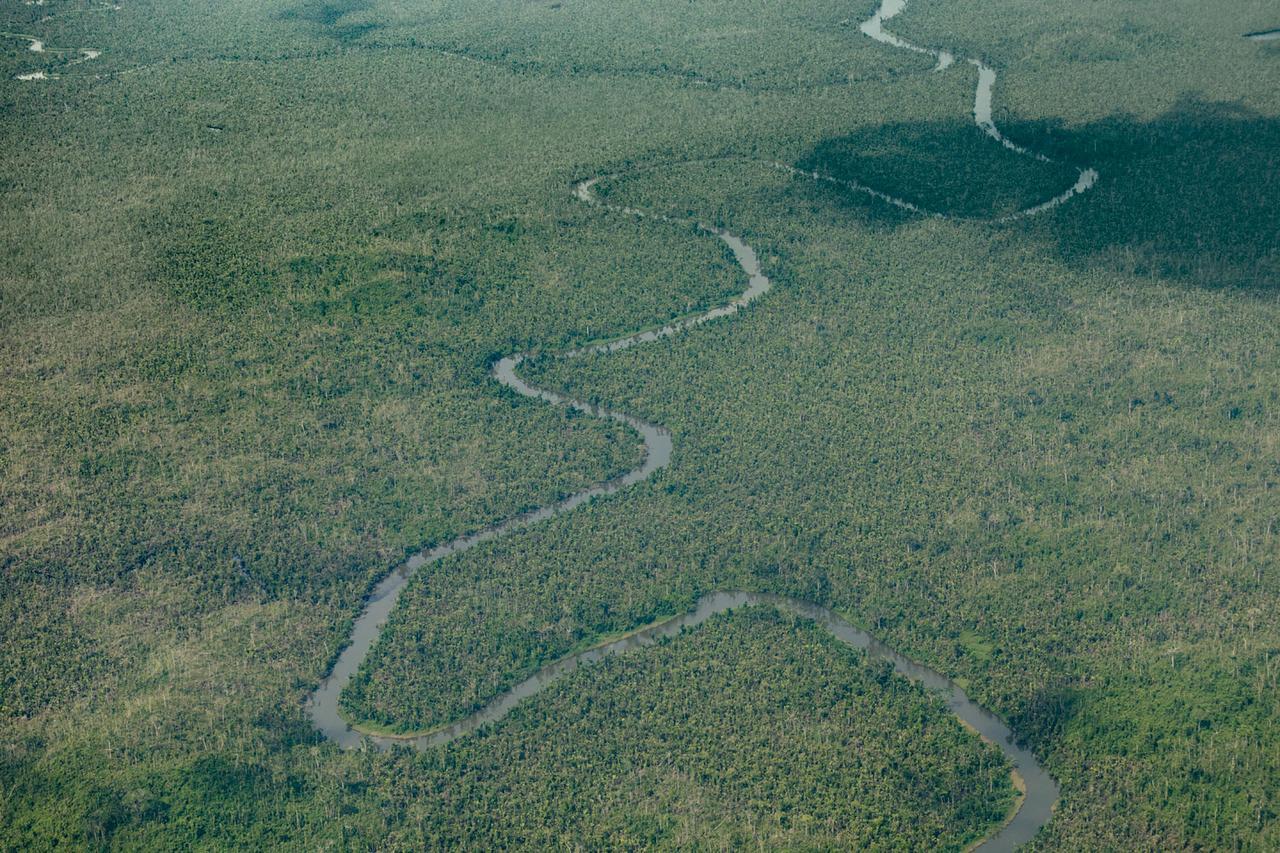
x: 258, y: 258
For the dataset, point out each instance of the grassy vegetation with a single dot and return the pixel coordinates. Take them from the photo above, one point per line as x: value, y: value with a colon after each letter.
x: 248, y: 293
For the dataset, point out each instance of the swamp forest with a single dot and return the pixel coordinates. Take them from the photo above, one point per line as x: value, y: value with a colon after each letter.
x: 643, y: 424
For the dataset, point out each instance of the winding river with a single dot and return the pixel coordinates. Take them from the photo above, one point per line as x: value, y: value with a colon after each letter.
x: 37, y: 45
x: 82, y: 54
x: 1041, y: 792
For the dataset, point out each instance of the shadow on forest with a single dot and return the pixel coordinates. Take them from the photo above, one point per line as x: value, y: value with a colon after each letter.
x: 1191, y: 196
x: 949, y: 167
x: 1045, y: 716
x: 328, y: 14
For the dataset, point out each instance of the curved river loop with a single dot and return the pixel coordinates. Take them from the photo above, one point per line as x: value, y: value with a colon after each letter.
x: 1040, y: 791
x: 35, y: 44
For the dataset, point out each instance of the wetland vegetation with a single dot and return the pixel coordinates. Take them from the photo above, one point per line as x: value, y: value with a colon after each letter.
x: 259, y: 257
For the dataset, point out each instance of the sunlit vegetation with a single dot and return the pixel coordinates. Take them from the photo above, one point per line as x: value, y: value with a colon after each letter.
x: 249, y: 293
x: 764, y: 732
